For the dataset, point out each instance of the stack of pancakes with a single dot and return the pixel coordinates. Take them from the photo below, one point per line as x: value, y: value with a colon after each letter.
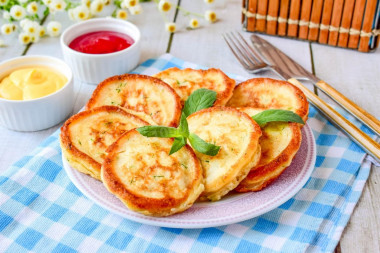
x: 102, y: 141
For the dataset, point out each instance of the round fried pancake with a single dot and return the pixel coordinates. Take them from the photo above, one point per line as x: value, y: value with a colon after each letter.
x: 267, y: 93
x: 86, y: 136
x: 237, y: 135
x: 140, y: 93
x: 142, y: 174
x: 279, y: 144
x: 185, y: 81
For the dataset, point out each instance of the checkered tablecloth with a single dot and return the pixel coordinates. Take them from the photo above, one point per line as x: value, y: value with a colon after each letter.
x: 42, y: 211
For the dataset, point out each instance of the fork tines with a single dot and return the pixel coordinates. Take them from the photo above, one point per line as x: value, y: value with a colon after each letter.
x: 244, y: 53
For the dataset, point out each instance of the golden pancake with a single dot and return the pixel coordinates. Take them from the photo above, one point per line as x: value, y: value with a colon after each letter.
x: 237, y: 135
x: 142, y: 174
x: 279, y: 144
x: 186, y: 81
x: 267, y: 93
x: 86, y: 136
x: 140, y: 93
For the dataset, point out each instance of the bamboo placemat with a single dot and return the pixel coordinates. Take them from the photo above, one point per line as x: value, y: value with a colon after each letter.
x: 348, y: 24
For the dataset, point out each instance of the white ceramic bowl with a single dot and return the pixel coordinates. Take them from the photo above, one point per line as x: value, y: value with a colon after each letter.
x: 94, y: 68
x: 40, y: 113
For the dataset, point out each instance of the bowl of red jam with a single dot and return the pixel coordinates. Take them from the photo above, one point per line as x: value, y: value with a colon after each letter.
x: 99, y: 48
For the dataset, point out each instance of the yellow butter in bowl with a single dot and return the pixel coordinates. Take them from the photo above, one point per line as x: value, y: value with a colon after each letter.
x: 30, y: 83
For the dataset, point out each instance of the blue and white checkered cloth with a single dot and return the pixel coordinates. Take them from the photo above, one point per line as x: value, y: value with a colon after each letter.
x: 42, y: 211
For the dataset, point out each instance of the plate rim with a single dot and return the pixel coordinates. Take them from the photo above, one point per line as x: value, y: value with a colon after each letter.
x: 163, y: 222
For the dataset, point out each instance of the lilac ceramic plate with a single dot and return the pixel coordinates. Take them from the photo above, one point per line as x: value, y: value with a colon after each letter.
x: 232, y: 208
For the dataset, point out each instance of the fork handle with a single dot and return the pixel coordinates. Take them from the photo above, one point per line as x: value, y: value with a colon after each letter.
x: 363, y: 140
x: 350, y: 106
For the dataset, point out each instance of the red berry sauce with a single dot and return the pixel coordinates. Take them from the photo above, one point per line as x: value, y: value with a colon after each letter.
x: 101, y: 42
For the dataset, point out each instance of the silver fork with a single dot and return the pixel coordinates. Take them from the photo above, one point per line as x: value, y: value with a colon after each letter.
x: 249, y: 57
x: 254, y: 63
x: 245, y: 54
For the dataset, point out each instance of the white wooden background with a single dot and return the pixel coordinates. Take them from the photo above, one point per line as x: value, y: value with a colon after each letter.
x: 356, y: 75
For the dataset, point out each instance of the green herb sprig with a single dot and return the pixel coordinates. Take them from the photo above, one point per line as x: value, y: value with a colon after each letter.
x: 276, y: 115
x: 202, y: 99
x: 198, y: 100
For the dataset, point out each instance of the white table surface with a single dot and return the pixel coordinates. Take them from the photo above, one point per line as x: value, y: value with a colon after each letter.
x: 355, y: 74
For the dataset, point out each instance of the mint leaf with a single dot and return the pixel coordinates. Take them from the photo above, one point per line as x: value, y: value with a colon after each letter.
x: 183, y: 127
x: 203, y: 147
x: 159, y: 131
x: 198, y: 100
x: 276, y: 115
x: 178, y: 143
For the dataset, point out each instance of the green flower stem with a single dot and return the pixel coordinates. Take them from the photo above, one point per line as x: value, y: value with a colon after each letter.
x: 186, y: 12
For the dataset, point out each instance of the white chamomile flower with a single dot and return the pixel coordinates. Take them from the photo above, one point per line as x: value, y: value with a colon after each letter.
x: 17, y: 12
x: 124, y: 5
x: 164, y: 5
x: 47, y: 2
x: 57, y: 5
x: 107, y: 2
x: 24, y: 22
x: 7, y: 29
x: 170, y: 27
x: 3, y: 2
x: 6, y: 15
x: 130, y: 3
x: 209, y: 1
x: 121, y: 14
x: 86, y: 3
x: 31, y: 28
x: 24, y: 38
x: 210, y: 16
x: 34, y: 38
x: 82, y: 13
x: 2, y: 43
x: 135, y: 10
x: 194, y: 23
x: 32, y: 8
x: 96, y: 6
x: 54, y: 28
x: 41, y: 31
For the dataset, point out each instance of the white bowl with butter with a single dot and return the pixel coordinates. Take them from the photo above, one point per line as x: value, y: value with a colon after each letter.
x: 36, y: 92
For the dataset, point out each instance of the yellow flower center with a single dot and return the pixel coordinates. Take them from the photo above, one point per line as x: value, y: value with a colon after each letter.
x: 34, y: 8
x: 122, y: 15
x: 42, y: 33
x: 31, y: 29
x: 212, y: 16
x: 58, y: 6
x: 132, y: 3
x: 26, y: 39
x: 166, y: 6
x: 54, y: 29
x: 8, y: 30
x: 100, y: 8
x: 18, y: 14
x: 81, y: 15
